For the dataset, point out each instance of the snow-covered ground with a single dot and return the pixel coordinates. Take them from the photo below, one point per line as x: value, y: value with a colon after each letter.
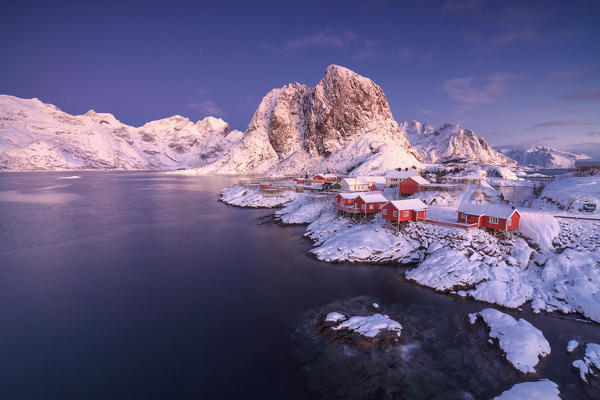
x: 540, y: 390
x: 522, y: 342
x: 553, y: 264
x: 570, y: 192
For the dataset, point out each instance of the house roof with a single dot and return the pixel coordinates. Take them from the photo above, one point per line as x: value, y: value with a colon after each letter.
x: 491, y: 210
x: 266, y: 183
x: 325, y: 176
x: 420, y: 180
x: 364, y: 180
x: 400, y: 174
x: 372, y: 197
x: 348, y: 196
x: 409, y: 204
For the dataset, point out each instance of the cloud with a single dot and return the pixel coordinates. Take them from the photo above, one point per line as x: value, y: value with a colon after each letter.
x: 322, y: 39
x: 467, y: 91
x: 559, y: 122
x: 405, y: 54
x: 207, y: 108
x: 591, y: 94
x: 366, y: 51
x: 593, y: 133
x: 590, y: 148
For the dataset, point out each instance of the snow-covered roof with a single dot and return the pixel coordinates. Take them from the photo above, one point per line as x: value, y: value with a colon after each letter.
x: 348, y: 196
x: 420, y: 180
x: 372, y: 197
x: 364, y: 180
x: 266, y: 183
x: 400, y: 174
x: 491, y: 210
x: 409, y: 204
x: 326, y: 176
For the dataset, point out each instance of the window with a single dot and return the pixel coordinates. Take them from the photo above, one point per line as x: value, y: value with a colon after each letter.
x: 364, y: 206
x: 493, y: 220
x: 370, y: 206
x: 406, y: 213
x: 395, y: 213
x: 509, y: 222
x: 385, y: 211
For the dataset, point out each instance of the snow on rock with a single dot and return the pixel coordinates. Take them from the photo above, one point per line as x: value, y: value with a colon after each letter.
x: 370, y: 326
x: 540, y: 390
x: 39, y: 136
x: 522, y: 342
x: 450, y: 142
x: 542, y: 228
x: 545, y: 157
x: 335, y: 317
x: 591, y: 361
x: 304, y: 209
x: 572, y: 191
x: 242, y: 196
x: 572, y: 345
x: 343, y: 124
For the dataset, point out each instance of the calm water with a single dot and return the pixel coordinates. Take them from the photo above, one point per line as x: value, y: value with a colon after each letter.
x: 144, y: 285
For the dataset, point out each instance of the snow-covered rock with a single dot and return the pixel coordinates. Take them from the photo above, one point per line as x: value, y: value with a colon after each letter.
x: 370, y: 326
x: 572, y: 345
x: 522, y: 342
x: 343, y: 124
x: 335, y: 317
x: 591, y: 361
x: 545, y: 157
x: 540, y: 390
x: 253, y: 197
x: 450, y: 142
x: 39, y: 136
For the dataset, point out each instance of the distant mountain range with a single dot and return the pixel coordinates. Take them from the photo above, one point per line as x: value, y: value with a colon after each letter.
x: 343, y: 124
x: 545, y: 157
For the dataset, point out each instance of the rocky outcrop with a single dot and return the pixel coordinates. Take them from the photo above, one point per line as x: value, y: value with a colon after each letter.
x: 39, y: 136
x: 450, y: 143
x: 342, y: 124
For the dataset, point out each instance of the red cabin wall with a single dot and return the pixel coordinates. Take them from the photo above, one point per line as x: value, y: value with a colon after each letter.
x: 408, y: 186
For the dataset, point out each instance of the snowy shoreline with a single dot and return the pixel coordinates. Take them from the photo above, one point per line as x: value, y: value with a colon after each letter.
x: 549, y: 265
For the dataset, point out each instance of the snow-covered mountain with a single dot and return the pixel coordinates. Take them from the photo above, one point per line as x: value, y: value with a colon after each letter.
x: 343, y: 124
x: 450, y: 142
x: 39, y: 136
x: 545, y: 157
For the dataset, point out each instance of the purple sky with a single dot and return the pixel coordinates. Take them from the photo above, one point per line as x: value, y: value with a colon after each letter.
x: 518, y: 73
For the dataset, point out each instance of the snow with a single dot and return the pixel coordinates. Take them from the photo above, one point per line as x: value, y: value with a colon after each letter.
x: 540, y: 390
x: 572, y: 345
x: 409, y: 204
x: 591, y: 361
x: 335, y: 317
x: 541, y: 228
x: 572, y: 191
x: 545, y: 157
x: 522, y: 342
x: 70, y: 177
x: 371, y: 326
x: 371, y: 197
x: 492, y: 210
x: 253, y: 197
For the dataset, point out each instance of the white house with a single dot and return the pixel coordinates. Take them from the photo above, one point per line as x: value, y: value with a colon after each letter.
x: 394, y: 177
x: 361, y: 183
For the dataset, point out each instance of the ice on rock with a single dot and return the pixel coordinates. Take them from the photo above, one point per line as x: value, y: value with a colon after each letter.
x: 540, y: 390
x: 370, y: 326
x: 335, y: 317
x: 522, y: 342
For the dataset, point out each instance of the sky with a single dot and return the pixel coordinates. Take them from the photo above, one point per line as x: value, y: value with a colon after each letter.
x: 517, y: 73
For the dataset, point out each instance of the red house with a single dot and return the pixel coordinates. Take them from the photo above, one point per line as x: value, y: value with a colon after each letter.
x: 412, y: 185
x: 264, y: 185
x: 404, y: 210
x: 370, y: 202
x: 320, y: 178
x: 493, y: 216
x: 345, y: 201
x: 299, y: 181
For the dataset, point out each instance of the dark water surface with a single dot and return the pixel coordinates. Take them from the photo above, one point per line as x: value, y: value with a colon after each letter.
x: 123, y: 285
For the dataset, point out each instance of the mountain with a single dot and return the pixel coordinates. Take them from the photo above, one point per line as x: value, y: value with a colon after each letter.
x: 343, y: 124
x: 450, y: 142
x: 545, y: 157
x: 39, y: 136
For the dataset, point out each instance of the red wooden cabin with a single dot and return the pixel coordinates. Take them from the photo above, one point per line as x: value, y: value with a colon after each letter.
x: 370, y: 203
x: 493, y: 216
x: 404, y: 210
x: 412, y: 185
x: 264, y: 185
x: 299, y: 181
x: 320, y: 178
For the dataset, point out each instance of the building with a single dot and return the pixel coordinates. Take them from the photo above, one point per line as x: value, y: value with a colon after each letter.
x: 498, y: 217
x: 369, y: 203
x: 413, y: 185
x: 377, y: 187
x: 345, y: 201
x: 583, y: 167
x: 361, y: 183
x: 320, y: 178
x: 265, y: 185
x: 332, y: 186
x: 404, y: 210
x: 394, y: 177
x: 300, y: 181
x: 473, y: 178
